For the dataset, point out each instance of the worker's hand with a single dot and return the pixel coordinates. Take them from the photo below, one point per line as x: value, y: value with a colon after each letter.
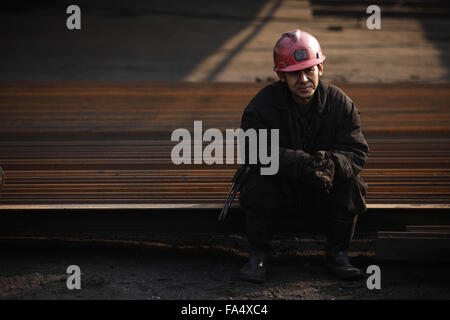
x: 318, y: 171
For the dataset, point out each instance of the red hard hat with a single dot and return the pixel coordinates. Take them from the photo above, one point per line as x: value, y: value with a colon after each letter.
x: 296, y: 50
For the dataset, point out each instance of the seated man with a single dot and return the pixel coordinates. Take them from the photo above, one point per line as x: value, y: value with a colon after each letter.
x: 322, y: 151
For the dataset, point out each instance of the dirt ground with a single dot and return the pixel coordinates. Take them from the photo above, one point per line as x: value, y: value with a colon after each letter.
x: 202, y: 267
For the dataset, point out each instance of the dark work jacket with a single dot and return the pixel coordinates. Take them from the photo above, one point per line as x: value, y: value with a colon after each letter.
x: 334, y: 127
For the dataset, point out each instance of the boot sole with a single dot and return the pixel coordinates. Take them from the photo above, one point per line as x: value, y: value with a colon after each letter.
x: 353, y: 275
x: 350, y: 277
x: 252, y: 277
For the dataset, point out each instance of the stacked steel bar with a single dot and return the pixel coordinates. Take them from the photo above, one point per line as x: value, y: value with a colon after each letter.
x: 107, y: 144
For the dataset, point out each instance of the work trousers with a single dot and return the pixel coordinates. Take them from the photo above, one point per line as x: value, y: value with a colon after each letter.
x: 266, y: 198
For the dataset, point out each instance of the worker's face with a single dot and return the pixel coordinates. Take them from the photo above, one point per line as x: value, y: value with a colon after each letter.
x: 303, y: 83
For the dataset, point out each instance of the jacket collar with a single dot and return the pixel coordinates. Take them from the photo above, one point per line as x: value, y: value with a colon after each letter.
x: 285, y: 100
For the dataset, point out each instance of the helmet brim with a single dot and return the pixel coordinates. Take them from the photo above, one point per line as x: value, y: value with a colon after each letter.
x: 302, y: 65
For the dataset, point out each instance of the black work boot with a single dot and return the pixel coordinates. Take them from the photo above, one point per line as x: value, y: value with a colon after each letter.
x: 339, y: 236
x: 259, y: 235
x: 255, y: 270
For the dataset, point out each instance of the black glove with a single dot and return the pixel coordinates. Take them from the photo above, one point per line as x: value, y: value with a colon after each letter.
x: 318, y: 171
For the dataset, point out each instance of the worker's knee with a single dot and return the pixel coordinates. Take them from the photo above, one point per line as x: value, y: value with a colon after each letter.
x: 350, y: 195
x: 263, y: 194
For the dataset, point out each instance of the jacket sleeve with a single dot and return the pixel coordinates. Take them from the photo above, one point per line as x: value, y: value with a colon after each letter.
x: 290, y: 160
x: 350, y: 151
